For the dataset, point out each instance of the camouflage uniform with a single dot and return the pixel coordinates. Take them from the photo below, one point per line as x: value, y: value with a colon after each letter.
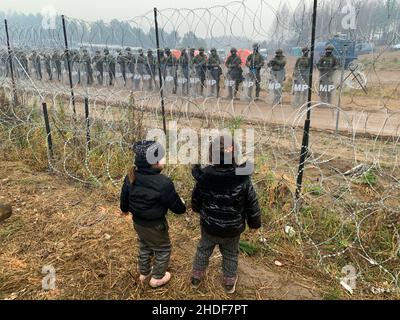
x: 277, y: 66
x: 327, y: 66
x: 37, y: 65
x: 200, y: 65
x: 214, y: 68
x: 183, y: 63
x: 76, y: 61
x: 255, y: 62
x: 87, y: 62
x: 130, y: 61
x: 24, y: 62
x: 301, y: 76
x: 235, y: 72
x: 109, y: 63
x: 47, y: 63
x: 171, y: 64
x: 151, y: 67
x: 56, y: 59
x: 98, y: 63
x: 122, y: 61
x: 141, y: 62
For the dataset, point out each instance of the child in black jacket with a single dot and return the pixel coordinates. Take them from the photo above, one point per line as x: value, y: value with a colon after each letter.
x: 225, y: 201
x: 148, y: 195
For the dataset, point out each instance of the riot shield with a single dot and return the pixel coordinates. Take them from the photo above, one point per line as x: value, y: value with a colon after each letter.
x: 276, y: 86
x: 211, y: 84
x: 107, y: 79
x: 230, y: 84
x: 20, y: 74
x: 129, y: 79
x: 156, y: 82
x: 183, y: 81
x: 300, y: 89
x: 249, y: 85
x: 120, y: 75
x: 170, y: 80
x: 194, y: 84
x: 36, y: 69
x: 148, y: 84
x: 327, y: 88
x: 83, y: 72
x: 75, y: 73
x: 138, y: 79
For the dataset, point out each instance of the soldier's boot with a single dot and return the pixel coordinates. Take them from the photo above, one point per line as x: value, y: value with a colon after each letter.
x: 236, y: 91
x: 258, y: 90
x: 230, y: 92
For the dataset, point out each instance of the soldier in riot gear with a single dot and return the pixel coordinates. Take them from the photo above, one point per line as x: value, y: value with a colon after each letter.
x: 130, y: 59
x: 47, y: 63
x: 75, y: 67
x: 37, y: 65
x: 301, y: 75
x: 278, y: 73
x: 183, y: 63
x: 151, y: 63
x: 121, y: 60
x: 235, y: 73
x: 255, y: 62
x: 24, y: 62
x: 56, y: 60
x: 171, y: 64
x: 141, y: 62
x: 214, y: 68
x: 200, y: 65
x: 87, y: 61
x: 98, y: 66
x: 327, y: 66
x: 109, y: 62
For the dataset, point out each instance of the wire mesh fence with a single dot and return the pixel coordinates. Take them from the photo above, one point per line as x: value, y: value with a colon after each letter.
x: 98, y: 87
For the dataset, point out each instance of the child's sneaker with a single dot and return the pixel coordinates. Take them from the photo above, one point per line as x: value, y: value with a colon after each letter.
x: 197, y: 277
x: 230, y: 284
x: 156, y: 283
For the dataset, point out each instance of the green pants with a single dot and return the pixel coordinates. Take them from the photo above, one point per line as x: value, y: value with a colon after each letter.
x: 154, y: 242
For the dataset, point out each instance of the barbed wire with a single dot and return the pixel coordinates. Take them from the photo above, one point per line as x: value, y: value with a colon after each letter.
x: 350, y: 206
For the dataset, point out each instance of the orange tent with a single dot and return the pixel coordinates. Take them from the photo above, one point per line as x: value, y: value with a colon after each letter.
x: 243, y: 55
x: 176, y: 53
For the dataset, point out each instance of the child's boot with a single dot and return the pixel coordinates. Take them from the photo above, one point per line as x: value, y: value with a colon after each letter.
x: 197, y: 277
x: 229, y: 284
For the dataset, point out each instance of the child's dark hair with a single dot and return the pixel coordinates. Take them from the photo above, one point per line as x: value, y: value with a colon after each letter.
x: 223, y: 151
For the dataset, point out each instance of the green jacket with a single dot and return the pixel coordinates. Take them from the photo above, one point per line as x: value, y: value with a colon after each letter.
x: 255, y: 61
x: 328, y: 63
x: 277, y: 63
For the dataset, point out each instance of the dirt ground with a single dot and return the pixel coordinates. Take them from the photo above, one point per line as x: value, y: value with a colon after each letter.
x: 80, y: 232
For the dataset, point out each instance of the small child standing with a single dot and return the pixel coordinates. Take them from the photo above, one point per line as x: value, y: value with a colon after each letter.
x: 225, y: 201
x: 148, y: 195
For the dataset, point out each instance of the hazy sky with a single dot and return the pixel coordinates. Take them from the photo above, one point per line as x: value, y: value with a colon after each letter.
x: 121, y: 9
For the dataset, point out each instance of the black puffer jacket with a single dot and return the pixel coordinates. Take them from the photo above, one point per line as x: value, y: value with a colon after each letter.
x: 225, y: 201
x: 150, y: 197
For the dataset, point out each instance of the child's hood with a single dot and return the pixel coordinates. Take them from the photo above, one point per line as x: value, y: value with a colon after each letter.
x: 219, y: 175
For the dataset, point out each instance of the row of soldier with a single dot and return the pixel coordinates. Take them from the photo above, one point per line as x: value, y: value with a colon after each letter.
x: 190, y: 74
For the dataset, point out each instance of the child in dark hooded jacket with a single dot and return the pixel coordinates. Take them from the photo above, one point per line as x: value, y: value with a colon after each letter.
x: 148, y: 195
x: 226, y: 201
